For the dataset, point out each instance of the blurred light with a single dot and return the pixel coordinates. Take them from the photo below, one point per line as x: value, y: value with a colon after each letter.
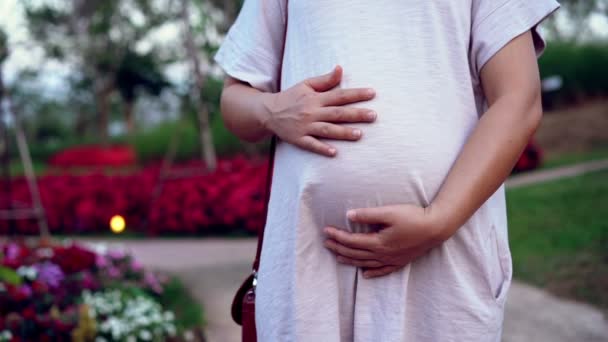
x: 552, y: 83
x: 117, y: 224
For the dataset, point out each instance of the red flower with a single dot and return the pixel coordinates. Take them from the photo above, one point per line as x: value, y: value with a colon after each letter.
x: 73, y: 259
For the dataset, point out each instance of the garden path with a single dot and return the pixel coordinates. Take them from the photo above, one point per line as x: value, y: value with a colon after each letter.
x: 214, y: 268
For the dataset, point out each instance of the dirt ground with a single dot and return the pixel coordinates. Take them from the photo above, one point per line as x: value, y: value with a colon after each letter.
x: 576, y: 129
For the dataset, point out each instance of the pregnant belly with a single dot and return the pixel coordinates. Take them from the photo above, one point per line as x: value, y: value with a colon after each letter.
x: 387, y: 166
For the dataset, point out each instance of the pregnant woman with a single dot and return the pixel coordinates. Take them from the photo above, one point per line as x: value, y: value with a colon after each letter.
x: 398, y: 121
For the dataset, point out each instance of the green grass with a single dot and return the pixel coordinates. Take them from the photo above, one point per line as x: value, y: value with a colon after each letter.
x: 177, y: 298
x: 559, y: 236
x: 573, y: 158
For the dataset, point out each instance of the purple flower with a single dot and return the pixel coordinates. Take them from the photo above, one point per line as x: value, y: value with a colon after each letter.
x: 25, y: 290
x: 152, y: 282
x: 49, y: 274
x: 12, y: 251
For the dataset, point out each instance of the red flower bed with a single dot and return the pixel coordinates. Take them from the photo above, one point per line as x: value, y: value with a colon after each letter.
x: 94, y: 155
x: 230, y: 197
x: 530, y: 159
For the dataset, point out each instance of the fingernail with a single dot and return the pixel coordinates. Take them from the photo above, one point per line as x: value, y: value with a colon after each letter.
x: 372, y: 115
x: 371, y: 92
x: 332, y: 151
x: 356, y: 133
x: 351, y: 214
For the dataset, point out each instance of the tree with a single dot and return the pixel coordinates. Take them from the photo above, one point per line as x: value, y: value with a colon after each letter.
x: 96, y: 38
x: 578, y: 14
x: 136, y: 73
x: 208, y: 152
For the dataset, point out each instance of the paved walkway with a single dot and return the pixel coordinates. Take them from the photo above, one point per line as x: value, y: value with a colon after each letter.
x: 542, y: 176
x: 214, y: 268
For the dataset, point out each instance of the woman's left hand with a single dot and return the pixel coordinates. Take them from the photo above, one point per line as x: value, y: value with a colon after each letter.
x: 407, y: 232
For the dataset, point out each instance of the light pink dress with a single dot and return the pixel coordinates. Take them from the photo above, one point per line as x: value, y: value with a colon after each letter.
x: 423, y: 58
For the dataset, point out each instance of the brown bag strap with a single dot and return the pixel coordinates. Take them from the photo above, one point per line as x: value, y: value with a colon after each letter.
x: 273, y: 143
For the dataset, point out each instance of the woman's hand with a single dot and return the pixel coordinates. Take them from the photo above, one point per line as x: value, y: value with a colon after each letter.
x: 407, y: 232
x: 312, y: 109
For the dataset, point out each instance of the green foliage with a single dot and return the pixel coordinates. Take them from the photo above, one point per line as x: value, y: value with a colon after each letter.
x: 3, y: 46
x: 152, y: 144
x: 139, y: 72
x: 177, y: 299
x: 9, y: 276
x: 583, y: 68
x: 559, y: 235
x: 566, y: 159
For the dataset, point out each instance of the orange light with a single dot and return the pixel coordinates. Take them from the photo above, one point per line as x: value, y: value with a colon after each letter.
x: 117, y: 224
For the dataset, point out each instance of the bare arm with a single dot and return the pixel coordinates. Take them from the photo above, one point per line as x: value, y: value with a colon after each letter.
x: 512, y: 87
x: 244, y: 110
x: 300, y: 115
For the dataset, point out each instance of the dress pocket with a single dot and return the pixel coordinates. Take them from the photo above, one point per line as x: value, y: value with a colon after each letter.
x: 498, y: 267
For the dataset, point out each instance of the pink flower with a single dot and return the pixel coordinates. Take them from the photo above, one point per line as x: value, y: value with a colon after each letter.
x: 101, y: 261
x: 113, y: 272
x: 136, y: 266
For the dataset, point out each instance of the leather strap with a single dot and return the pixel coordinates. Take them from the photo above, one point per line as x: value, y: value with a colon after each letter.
x: 273, y: 143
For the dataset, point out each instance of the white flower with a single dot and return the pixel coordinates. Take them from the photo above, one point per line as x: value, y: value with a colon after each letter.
x: 170, y: 329
x: 5, y: 336
x: 169, y: 316
x: 145, y: 335
x: 188, y: 335
x: 27, y: 272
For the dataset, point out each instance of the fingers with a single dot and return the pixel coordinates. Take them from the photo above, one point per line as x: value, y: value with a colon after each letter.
x: 380, y: 271
x: 369, y: 241
x: 351, y: 253
x: 345, y: 114
x: 359, y: 263
x: 333, y: 131
x: 341, y: 97
x: 326, y: 82
x: 314, y: 145
x: 375, y: 215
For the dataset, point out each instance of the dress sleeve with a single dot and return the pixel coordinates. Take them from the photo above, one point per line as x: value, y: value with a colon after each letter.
x: 253, y: 48
x: 496, y: 22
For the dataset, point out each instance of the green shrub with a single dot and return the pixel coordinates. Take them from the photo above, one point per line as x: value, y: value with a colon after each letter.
x: 583, y: 68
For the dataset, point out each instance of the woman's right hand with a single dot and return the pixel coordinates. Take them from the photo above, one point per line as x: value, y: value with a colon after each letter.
x: 313, y: 108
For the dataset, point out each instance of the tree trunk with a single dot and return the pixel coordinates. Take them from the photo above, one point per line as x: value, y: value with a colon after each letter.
x: 207, y: 148
x: 129, y: 111
x: 102, y: 103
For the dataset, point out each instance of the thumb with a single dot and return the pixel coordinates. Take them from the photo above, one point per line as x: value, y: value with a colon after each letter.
x: 326, y: 82
x: 377, y: 215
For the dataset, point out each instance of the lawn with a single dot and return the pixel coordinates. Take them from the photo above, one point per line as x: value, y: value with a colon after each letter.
x: 571, y: 158
x: 559, y: 236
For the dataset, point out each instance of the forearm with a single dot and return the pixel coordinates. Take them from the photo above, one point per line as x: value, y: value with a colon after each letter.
x: 245, y: 111
x: 487, y: 158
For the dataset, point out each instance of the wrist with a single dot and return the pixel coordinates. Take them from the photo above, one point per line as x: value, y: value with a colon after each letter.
x: 440, y: 222
x: 267, y: 110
